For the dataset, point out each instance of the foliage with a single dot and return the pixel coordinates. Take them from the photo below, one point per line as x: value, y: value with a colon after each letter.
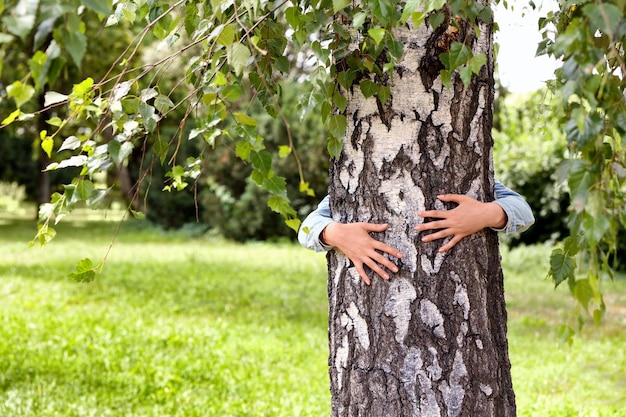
x: 12, y: 196
x: 196, y: 327
x: 588, y: 37
x: 232, y: 47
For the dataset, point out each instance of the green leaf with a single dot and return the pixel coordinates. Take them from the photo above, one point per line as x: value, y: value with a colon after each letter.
x: 358, y: 20
x: 436, y: 19
x: 244, y: 119
x: 81, y: 89
x: 377, y: 34
x: 583, y: 292
x: 242, y: 149
x: 275, y: 185
x: 148, y: 117
x: 11, y: 117
x: 22, y: 17
x: 603, y: 16
x: 410, y: 7
x: 477, y: 62
x: 284, y: 151
x: 340, y: 4
x: 45, y: 234
x: 76, y: 45
x: 466, y: 76
x: 334, y: 146
x: 163, y: 103
x: 337, y: 125
x: 84, y: 188
x: 85, y: 271
x: 47, y: 144
x: 562, y: 267
x: 293, y: 224
x: 458, y: 55
x: 98, y: 6
x: 238, y: 56
x: 227, y: 36
x: 594, y: 227
x: 368, y: 88
x: 281, y: 205
x: 261, y: 160
x: 20, y: 92
x: 384, y: 93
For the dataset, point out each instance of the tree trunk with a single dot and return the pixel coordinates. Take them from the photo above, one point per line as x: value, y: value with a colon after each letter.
x: 431, y: 341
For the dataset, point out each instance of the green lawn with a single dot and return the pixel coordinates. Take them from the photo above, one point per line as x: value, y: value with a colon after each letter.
x: 182, y: 326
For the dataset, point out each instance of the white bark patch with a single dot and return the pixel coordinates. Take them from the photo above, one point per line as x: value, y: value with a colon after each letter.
x: 462, y: 300
x: 460, y: 337
x: 431, y: 268
x: 476, y: 125
x: 479, y: 344
x: 434, y: 370
x: 410, y: 368
x: 429, y: 407
x: 431, y: 316
x: 398, y: 306
x: 453, y: 392
x: 442, y: 117
x: 360, y: 326
x: 486, y: 389
x: 341, y: 360
x: 440, y: 160
x: 475, y: 189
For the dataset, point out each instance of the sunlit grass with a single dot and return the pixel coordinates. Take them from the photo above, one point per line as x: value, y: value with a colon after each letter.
x: 183, y: 326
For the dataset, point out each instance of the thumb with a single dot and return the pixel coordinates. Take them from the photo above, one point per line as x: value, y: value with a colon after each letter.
x: 455, y: 198
x: 375, y: 227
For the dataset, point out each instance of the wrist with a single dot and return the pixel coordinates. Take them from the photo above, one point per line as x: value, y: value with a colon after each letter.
x: 326, y: 236
x: 497, y: 216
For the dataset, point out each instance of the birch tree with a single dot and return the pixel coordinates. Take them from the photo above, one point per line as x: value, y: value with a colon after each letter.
x: 432, y: 340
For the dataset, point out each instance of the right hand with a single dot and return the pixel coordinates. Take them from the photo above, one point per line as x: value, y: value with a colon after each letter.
x: 354, y: 240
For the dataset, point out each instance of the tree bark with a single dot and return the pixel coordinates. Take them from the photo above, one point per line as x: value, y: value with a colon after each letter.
x: 431, y: 341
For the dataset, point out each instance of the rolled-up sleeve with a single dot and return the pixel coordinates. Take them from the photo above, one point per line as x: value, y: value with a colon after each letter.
x: 312, y: 227
x: 519, y: 214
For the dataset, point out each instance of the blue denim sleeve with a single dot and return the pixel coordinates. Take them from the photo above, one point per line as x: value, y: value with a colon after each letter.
x: 519, y: 214
x: 311, y: 228
x: 519, y: 218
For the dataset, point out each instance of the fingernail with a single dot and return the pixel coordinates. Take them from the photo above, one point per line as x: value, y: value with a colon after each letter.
x: 386, y: 276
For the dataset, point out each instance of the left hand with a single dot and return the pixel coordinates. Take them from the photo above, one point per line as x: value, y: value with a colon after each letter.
x: 469, y: 217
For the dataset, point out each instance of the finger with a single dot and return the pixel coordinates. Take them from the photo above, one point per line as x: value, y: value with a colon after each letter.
x: 384, y: 261
x: 455, y: 198
x: 430, y: 226
x: 378, y: 270
x: 437, y: 235
x: 437, y: 214
x: 375, y: 227
x: 450, y: 244
x: 362, y: 274
x: 383, y: 247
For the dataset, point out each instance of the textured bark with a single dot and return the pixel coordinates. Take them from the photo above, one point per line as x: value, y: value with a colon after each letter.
x: 431, y: 341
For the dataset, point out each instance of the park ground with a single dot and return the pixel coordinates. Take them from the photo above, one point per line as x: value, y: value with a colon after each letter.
x: 185, y: 325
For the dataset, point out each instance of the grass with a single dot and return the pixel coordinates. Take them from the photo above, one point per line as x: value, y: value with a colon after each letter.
x: 181, y: 326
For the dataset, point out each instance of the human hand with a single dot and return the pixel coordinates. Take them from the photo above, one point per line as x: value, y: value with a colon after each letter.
x: 469, y: 217
x: 354, y: 240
